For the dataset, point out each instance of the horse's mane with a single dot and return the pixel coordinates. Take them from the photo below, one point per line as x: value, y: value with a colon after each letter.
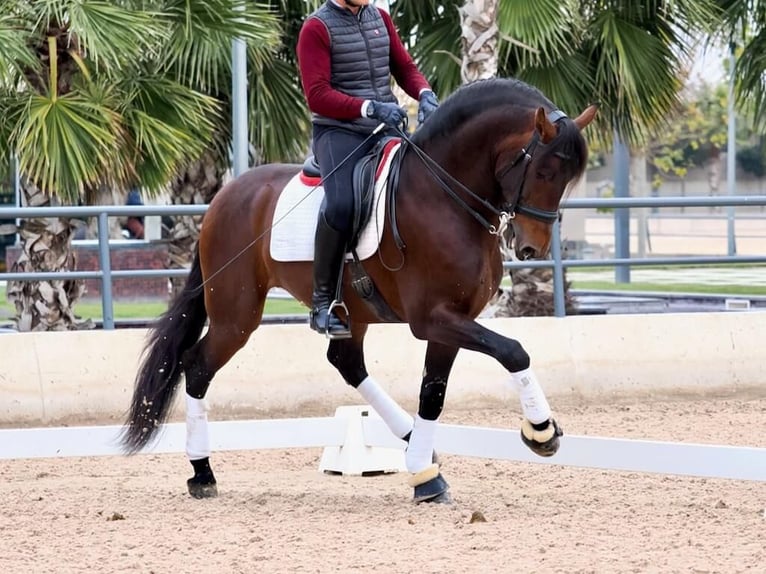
x: 472, y: 99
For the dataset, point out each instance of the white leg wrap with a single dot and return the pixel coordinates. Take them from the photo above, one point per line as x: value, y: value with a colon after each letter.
x: 197, y: 438
x: 397, y: 419
x: 533, y: 402
x: 419, y: 455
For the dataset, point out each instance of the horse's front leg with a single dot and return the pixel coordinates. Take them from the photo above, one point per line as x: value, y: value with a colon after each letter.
x: 347, y: 356
x: 539, y: 431
x: 426, y: 476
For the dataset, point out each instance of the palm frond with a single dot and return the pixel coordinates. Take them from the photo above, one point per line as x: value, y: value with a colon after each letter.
x: 65, y: 143
x: 279, y: 122
x: 544, y: 31
x: 109, y: 33
x: 567, y: 81
x: 15, y: 54
x: 168, y: 124
x: 751, y: 75
x: 435, y: 47
x: 637, y: 75
x: 199, y: 47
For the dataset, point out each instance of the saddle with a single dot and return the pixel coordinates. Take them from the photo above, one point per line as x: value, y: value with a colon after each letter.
x: 366, y: 171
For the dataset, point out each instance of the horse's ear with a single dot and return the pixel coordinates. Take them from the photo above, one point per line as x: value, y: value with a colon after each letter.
x: 586, y: 117
x: 544, y: 126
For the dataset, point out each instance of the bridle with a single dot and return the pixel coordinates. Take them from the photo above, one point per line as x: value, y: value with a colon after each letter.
x: 522, y: 161
x: 508, y: 209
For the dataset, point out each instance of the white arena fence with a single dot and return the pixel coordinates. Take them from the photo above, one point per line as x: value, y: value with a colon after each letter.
x: 357, y: 442
x: 591, y: 358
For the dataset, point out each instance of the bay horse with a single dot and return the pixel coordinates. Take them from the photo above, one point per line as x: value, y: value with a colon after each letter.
x: 496, y: 151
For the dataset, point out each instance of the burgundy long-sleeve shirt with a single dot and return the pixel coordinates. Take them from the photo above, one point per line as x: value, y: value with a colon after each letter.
x: 315, y: 68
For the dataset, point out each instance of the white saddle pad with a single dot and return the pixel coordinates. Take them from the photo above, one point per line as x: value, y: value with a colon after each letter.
x: 295, y: 217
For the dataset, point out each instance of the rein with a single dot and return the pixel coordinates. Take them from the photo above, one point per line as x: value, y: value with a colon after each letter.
x: 507, y: 210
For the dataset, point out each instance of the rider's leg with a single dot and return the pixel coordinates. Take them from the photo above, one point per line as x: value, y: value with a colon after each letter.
x: 329, y: 249
x: 334, y: 149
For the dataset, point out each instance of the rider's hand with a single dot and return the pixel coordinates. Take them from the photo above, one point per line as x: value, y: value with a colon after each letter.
x: 390, y: 114
x: 428, y: 104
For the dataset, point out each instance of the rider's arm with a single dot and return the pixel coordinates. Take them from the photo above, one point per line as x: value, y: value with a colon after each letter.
x: 403, y: 68
x: 314, y: 63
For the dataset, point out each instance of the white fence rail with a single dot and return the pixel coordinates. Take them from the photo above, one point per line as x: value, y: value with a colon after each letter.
x: 711, y: 461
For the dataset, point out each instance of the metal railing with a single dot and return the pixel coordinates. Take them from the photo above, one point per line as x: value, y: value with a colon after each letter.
x: 106, y: 275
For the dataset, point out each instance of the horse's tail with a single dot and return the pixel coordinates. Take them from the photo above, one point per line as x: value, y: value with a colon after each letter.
x: 175, y: 331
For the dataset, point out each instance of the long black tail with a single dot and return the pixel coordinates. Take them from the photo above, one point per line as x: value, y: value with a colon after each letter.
x: 175, y: 331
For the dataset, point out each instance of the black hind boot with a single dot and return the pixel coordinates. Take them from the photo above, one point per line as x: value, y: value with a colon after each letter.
x: 329, y: 250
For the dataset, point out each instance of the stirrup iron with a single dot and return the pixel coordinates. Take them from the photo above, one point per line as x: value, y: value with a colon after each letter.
x: 336, y: 304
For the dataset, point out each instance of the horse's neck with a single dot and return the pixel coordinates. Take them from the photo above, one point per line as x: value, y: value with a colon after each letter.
x: 468, y: 157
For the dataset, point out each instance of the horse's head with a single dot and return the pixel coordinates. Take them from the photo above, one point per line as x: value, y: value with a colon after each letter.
x: 533, y: 179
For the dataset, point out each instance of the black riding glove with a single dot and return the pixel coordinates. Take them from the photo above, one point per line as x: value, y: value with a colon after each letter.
x: 428, y: 104
x: 390, y: 114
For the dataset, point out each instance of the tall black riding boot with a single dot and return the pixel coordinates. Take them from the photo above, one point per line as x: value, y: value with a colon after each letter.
x: 329, y: 250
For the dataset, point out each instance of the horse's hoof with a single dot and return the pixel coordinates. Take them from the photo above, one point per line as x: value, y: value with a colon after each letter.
x: 430, y: 486
x: 435, y: 490
x: 202, y: 489
x: 543, y: 442
x: 203, y: 483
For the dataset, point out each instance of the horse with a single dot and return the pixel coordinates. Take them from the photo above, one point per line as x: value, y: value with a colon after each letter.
x: 496, y: 152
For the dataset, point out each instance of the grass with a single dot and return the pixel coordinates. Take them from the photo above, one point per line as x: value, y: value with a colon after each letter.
x: 670, y: 288
x: 147, y: 309
x: 595, y: 268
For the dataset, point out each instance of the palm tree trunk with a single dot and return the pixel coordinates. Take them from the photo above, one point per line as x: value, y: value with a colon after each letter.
x: 714, y: 173
x: 479, y: 40
x: 46, y: 245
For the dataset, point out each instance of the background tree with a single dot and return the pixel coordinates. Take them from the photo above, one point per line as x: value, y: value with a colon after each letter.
x: 628, y: 56
x: 695, y: 139
x: 745, y: 28
x: 278, y: 120
x: 112, y: 94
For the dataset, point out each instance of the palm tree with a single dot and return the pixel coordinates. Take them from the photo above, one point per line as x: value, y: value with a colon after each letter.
x: 745, y: 30
x: 278, y: 120
x: 108, y: 94
x: 628, y: 56
x: 479, y: 54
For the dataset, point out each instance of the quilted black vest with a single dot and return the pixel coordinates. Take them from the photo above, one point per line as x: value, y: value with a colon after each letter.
x: 359, y: 61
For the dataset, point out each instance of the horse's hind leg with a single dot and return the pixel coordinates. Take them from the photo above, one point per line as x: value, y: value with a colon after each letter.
x: 347, y: 355
x: 230, y: 327
x: 426, y: 479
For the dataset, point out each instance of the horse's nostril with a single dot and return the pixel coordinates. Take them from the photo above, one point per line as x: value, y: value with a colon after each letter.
x: 527, y: 253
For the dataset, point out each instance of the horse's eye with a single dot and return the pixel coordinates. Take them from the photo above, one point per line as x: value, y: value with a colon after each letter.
x: 545, y: 174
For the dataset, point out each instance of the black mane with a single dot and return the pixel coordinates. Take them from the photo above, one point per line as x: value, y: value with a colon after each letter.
x: 477, y: 97
x: 472, y: 99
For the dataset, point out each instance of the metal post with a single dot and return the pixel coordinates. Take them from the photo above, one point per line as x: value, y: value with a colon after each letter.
x: 17, y: 190
x: 731, y: 158
x: 621, y: 156
x: 107, y: 305
x: 239, y: 144
x: 559, y: 302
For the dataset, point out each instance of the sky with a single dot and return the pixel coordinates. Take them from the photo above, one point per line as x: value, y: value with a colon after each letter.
x: 708, y: 65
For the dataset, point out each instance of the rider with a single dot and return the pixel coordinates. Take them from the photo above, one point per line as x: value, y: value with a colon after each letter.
x: 347, y: 52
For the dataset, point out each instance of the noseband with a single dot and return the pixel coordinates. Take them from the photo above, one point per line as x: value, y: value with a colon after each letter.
x: 521, y: 162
